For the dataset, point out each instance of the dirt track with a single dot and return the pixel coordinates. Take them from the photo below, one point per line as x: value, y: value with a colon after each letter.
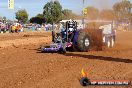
x: 22, y: 66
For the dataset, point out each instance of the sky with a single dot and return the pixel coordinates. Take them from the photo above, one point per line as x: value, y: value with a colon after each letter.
x: 34, y: 7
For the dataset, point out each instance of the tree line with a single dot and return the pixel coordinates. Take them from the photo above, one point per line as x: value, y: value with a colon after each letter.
x: 53, y: 13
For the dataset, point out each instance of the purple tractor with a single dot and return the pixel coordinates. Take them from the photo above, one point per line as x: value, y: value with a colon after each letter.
x: 70, y: 38
x: 74, y: 39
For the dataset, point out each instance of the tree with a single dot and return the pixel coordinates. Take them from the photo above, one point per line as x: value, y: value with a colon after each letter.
x: 122, y: 10
x: 52, y: 11
x: 68, y: 14
x: 93, y: 13
x: 40, y: 15
x: 107, y: 14
x: 22, y: 15
x: 37, y: 20
x: 4, y: 19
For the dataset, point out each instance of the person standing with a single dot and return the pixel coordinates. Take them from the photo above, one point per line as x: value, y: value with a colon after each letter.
x: 43, y: 27
x: 46, y: 27
x: 13, y: 28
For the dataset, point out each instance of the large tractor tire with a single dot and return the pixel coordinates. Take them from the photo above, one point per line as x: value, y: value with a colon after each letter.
x: 83, y: 42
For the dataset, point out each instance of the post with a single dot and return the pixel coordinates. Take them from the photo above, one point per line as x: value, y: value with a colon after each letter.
x: 53, y: 33
x: 83, y: 15
x: 52, y: 29
x: 13, y: 15
x: 11, y: 6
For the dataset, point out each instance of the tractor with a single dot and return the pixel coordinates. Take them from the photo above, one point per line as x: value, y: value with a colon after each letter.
x: 74, y: 39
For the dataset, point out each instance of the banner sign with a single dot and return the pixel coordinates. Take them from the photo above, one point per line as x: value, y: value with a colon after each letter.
x: 10, y: 4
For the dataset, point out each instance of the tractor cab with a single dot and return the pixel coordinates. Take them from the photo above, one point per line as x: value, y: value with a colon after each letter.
x: 69, y: 38
x: 67, y: 30
x: 77, y: 23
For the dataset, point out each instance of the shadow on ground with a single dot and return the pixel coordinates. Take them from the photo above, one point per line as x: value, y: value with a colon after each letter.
x: 100, y: 58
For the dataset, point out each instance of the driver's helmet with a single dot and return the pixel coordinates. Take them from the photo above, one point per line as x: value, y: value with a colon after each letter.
x: 71, y: 25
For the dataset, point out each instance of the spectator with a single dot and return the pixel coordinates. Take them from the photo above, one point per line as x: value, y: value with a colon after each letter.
x: 43, y: 27
x: 13, y: 28
x: 46, y: 27
x: 33, y: 27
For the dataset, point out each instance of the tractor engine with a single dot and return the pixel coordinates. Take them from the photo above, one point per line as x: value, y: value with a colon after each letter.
x: 71, y: 27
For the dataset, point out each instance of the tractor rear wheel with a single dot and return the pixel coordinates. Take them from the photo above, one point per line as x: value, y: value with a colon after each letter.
x: 83, y: 41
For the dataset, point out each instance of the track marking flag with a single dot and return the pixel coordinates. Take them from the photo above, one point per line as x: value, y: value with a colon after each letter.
x: 10, y: 4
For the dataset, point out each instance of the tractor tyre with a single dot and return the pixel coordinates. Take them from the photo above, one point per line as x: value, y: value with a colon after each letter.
x: 62, y: 50
x: 83, y: 41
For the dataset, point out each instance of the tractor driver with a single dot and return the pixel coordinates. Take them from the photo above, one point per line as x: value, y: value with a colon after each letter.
x: 71, y: 29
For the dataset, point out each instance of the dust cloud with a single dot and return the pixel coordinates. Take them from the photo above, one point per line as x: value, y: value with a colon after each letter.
x: 102, y: 4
